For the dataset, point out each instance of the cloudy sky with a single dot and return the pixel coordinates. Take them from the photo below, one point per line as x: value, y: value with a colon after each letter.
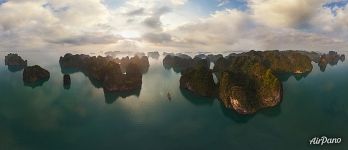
x: 173, y: 25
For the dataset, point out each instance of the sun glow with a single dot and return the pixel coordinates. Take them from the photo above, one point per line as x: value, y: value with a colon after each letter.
x: 130, y: 34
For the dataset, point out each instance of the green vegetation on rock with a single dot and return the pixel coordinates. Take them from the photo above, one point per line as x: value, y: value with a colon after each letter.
x: 198, y: 80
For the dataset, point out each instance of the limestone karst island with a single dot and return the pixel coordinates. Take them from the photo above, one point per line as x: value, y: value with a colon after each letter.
x: 173, y: 75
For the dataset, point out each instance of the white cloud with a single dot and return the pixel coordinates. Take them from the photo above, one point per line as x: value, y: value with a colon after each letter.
x: 284, y: 13
x: 223, y: 2
x: 171, y: 24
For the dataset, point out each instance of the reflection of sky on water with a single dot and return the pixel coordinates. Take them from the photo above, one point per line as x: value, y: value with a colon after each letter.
x: 51, y: 117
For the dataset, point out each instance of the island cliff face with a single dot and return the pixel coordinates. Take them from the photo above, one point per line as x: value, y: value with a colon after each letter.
x: 199, y: 80
x: 280, y: 62
x: 107, y: 70
x: 34, y: 74
x: 141, y: 61
x: 15, y: 62
x: 178, y: 62
x: 331, y: 58
x: 247, y: 82
x: 248, y: 86
x: 287, y: 62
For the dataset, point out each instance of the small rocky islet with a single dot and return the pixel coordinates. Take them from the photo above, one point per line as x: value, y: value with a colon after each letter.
x: 199, y: 79
x: 32, y: 75
x: 66, y: 81
x: 247, y: 82
x: 331, y: 58
x: 15, y: 62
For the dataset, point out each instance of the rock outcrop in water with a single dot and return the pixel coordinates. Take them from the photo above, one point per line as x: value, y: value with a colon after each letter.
x: 34, y: 74
x: 107, y: 71
x: 198, y: 80
x: 15, y: 62
x: 248, y: 86
x: 176, y: 62
x: 331, y: 58
x: 142, y: 62
x: 247, y: 82
x: 66, y: 81
x: 181, y: 62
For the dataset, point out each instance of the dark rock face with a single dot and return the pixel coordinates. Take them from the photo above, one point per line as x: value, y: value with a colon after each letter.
x: 199, y: 80
x: 34, y: 74
x: 214, y: 58
x: 201, y: 56
x: 343, y: 57
x: 115, y: 81
x: 142, y: 62
x: 106, y: 72
x: 15, y: 62
x: 250, y: 81
x: 154, y: 55
x: 181, y: 62
x: 66, y: 81
x: 178, y: 63
x: 331, y: 58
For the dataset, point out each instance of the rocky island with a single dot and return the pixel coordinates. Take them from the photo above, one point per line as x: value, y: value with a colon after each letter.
x: 331, y: 58
x: 15, y: 62
x: 247, y: 85
x: 141, y: 61
x: 33, y: 74
x: 199, y: 79
x: 66, y: 81
x: 247, y: 82
x: 107, y: 71
x: 180, y: 62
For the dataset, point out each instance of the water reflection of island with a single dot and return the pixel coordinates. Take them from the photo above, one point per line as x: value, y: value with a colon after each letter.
x: 117, y: 77
x: 111, y: 97
x: 249, y: 81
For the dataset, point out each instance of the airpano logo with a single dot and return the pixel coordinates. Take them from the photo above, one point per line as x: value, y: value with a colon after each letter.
x: 324, y: 140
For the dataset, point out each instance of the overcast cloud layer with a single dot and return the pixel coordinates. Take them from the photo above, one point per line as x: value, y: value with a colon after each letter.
x: 173, y: 25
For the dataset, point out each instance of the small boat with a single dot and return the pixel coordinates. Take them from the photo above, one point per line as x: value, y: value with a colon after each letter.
x: 169, y: 97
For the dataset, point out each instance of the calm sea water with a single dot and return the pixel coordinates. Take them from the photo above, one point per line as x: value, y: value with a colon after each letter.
x: 49, y: 117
